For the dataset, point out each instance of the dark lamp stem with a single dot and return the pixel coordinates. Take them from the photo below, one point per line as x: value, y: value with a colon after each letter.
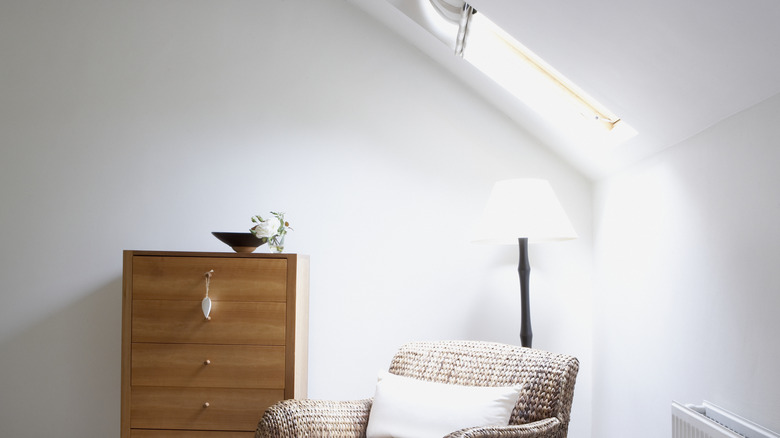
x: 524, y: 271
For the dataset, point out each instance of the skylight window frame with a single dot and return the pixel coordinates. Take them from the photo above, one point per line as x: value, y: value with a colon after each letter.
x: 480, y: 26
x: 572, y: 114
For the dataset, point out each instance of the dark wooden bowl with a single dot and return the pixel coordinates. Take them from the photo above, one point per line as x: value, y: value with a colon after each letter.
x: 240, y: 242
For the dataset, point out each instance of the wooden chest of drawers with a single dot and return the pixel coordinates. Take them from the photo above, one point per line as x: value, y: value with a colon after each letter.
x: 185, y: 375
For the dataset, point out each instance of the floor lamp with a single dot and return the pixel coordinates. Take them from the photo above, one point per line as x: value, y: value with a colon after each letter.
x: 520, y: 211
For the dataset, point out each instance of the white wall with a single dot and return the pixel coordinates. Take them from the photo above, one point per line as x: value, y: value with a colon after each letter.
x: 149, y: 124
x: 687, y: 300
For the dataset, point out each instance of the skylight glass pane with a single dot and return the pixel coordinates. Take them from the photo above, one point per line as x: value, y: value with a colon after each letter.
x: 528, y: 77
x: 518, y: 70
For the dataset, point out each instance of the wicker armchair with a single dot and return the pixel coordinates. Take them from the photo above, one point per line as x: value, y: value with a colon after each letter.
x: 542, y: 411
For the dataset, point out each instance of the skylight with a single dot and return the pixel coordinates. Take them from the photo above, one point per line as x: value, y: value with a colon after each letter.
x: 528, y: 77
x: 513, y: 66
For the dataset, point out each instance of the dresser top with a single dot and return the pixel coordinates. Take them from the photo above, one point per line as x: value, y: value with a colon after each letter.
x: 213, y: 254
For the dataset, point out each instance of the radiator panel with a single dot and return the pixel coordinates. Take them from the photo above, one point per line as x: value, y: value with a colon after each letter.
x: 710, y: 421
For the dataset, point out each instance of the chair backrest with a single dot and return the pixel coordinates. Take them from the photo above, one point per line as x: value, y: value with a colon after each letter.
x: 547, y: 379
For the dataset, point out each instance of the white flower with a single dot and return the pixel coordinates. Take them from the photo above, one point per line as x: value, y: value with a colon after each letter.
x: 275, y: 227
x: 267, y: 227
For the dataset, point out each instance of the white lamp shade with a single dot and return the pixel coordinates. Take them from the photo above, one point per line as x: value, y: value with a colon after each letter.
x: 523, y: 208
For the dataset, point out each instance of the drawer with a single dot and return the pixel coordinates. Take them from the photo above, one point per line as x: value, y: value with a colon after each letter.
x: 164, y: 321
x: 151, y: 433
x: 186, y: 408
x: 213, y: 366
x: 233, y: 279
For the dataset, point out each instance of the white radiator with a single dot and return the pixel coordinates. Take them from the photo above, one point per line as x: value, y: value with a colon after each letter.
x: 710, y: 421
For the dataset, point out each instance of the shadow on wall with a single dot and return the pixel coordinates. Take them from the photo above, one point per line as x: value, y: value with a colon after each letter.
x: 61, y: 377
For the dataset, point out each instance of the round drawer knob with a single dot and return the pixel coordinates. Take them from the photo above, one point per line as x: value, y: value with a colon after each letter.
x: 206, y: 362
x: 205, y: 405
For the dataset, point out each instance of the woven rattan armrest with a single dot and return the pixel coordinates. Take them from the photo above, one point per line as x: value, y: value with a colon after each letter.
x: 547, y: 428
x: 313, y: 418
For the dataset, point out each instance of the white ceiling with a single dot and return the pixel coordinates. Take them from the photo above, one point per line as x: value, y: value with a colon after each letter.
x: 669, y: 68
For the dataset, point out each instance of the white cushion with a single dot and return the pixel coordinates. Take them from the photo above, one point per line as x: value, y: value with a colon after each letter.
x: 409, y: 408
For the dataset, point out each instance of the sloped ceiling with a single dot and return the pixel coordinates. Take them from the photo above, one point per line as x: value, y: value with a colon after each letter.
x: 669, y: 68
